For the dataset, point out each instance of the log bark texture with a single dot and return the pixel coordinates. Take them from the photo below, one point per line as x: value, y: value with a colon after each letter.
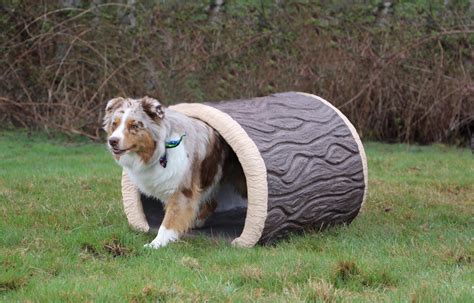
x: 314, y: 166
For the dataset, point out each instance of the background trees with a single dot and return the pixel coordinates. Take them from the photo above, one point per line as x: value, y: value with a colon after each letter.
x: 401, y: 70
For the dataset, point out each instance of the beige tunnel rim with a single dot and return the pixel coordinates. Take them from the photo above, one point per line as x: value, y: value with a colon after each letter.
x: 132, y: 205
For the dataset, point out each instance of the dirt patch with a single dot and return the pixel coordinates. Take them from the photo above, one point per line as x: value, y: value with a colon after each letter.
x: 348, y: 274
x: 116, y: 249
x: 346, y: 270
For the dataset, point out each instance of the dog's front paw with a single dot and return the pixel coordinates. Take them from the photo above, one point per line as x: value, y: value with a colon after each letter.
x: 164, y: 237
x: 154, y: 244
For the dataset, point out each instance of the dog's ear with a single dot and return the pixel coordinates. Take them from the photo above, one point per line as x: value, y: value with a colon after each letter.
x: 153, y: 108
x: 110, y: 108
x: 113, y: 104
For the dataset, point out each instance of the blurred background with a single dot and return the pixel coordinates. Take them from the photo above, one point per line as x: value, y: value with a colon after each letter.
x: 402, y: 71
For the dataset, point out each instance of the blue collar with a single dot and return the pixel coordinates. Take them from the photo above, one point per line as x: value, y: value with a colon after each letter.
x: 170, y: 144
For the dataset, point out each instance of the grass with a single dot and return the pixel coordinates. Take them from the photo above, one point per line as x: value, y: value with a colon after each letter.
x: 64, y: 236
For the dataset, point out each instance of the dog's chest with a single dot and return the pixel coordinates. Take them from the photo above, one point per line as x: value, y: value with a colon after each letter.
x: 161, y: 182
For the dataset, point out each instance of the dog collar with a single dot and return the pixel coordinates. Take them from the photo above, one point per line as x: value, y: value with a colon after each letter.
x: 170, y: 144
x: 174, y: 143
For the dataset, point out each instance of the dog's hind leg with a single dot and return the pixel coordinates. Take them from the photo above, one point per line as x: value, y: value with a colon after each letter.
x: 180, y: 214
x: 207, y: 209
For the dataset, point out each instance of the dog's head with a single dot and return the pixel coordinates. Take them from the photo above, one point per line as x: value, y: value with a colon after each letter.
x: 132, y: 127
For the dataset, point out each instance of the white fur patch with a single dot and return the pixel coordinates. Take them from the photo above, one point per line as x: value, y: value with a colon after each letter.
x: 119, y: 131
x: 164, y: 237
x: 156, y: 180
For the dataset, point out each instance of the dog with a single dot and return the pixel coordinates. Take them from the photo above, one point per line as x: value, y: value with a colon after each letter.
x: 169, y: 156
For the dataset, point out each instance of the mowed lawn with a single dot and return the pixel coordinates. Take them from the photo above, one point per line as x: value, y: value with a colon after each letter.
x: 64, y: 237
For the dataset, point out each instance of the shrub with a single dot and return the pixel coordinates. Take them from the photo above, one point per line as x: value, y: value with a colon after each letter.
x: 401, y: 71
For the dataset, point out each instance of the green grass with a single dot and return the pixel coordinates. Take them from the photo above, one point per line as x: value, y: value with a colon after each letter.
x: 64, y: 236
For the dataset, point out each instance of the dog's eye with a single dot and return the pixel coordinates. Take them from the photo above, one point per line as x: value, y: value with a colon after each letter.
x: 134, y: 126
x: 114, y: 124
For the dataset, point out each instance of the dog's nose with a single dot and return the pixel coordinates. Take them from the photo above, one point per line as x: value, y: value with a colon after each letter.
x: 113, y: 141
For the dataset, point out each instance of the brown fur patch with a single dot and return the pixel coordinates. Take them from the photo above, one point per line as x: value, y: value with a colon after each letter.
x: 180, y: 213
x: 210, y: 164
x: 207, y: 209
x: 187, y: 192
x: 140, y: 140
x: 153, y: 109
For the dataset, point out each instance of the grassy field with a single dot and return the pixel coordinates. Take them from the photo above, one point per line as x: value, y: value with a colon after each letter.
x: 64, y: 236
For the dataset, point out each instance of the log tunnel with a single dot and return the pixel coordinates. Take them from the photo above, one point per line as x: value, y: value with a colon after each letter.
x: 304, y: 164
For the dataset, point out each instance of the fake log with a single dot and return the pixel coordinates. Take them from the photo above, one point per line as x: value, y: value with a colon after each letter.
x: 303, y: 161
